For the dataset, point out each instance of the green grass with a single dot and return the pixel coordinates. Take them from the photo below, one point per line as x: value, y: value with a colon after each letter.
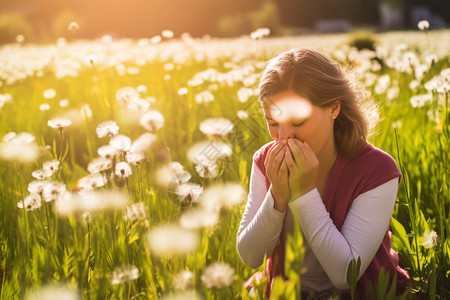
x: 43, y: 248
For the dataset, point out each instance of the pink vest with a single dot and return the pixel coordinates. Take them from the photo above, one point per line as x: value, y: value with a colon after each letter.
x: 348, y: 179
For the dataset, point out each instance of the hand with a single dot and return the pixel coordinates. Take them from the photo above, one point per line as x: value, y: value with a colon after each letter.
x: 303, y: 167
x: 277, y: 171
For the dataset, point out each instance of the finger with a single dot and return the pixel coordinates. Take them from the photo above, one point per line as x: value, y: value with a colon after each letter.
x: 283, y: 166
x: 296, y: 151
x: 289, y: 160
x: 273, y: 152
x: 278, y: 159
x: 310, y: 156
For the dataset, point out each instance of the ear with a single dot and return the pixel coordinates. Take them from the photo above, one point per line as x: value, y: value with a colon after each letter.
x: 335, y: 108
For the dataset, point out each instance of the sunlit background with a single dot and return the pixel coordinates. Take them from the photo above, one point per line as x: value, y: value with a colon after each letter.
x: 45, y: 20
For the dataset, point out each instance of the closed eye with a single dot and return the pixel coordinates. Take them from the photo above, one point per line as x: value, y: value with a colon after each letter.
x: 298, y: 124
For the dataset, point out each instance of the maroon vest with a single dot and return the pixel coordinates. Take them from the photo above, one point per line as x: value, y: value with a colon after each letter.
x: 349, y: 178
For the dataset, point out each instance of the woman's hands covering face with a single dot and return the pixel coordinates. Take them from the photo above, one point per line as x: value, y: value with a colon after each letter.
x: 292, y: 168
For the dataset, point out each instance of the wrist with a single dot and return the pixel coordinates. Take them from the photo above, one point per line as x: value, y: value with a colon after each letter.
x: 279, y: 202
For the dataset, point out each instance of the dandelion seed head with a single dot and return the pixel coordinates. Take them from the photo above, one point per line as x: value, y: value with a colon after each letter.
x: 135, y: 212
x: 172, y: 173
x: 86, y: 111
x: 124, y: 274
x: 184, y: 280
x: 152, y: 120
x: 59, y: 123
x: 244, y: 94
x: 182, y: 91
x: 206, y: 152
x: 225, y: 195
x: 91, y: 60
x: 242, y: 114
x: 204, y: 97
x: 142, y: 89
x: 188, y: 192
x: 44, y: 107
x: 107, y: 128
x: 20, y: 38
x: 90, y: 182
x: 64, y: 103
x: 121, y: 142
x: 5, y: 98
x: 430, y: 239
x: 199, y: 217
x: 107, y: 152
x: 423, y: 25
x: 73, y: 26
x: 421, y: 100
x: 171, y: 239
x: 207, y: 169
x: 19, y: 147
x: 126, y: 95
x: 99, y: 164
x: 41, y: 174
x: 134, y: 157
x: 143, y: 143
x: 49, y: 94
x: 90, y: 201
x: 218, y: 275
x: 216, y: 127
x: 51, y: 165
x: 31, y: 202
x: 53, y: 292
x: 123, y: 170
x: 54, y: 191
x: 156, y: 39
x: 168, y: 34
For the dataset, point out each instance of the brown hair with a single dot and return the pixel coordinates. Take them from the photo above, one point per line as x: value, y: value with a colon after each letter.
x: 323, y: 81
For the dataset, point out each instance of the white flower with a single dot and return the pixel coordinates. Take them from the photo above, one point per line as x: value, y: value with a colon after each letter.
x: 41, y: 174
x: 143, y: 143
x: 182, y: 91
x: 152, y: 120
x: 244, y: 94
x: 91, y: 60
x: 226, y: 195
x: 242, y: 114
x: 73, y: 26
x: 31, y: 202
x: 107, y: 128
x: 64, y: 103
x: 49, y: 94
x: 123, y: 170
x: 218, y: 275
x: 396, y: 124
x: 124, y: 274
x: 19, y: 147
x: 172, y: 173
x: 259, y: 33
x: 54, y: 191
x: 204, y: 97
x: 107, y: 151
x: 207, y: 169
x: 86, y: 111
x: 37, y: 186
x: 51, y: 165
x: 121, y: 143
x: 59, y: 123
x: 184, y: 280
x: 126, y: 95
x: 423, y: 25
x: 198, y: 217
x: 141, y: 89
x: 188, y: 192
x: 156, y: 39
x: 421, y: 100
x: 135, y: 211
x: 90, y: 201
x: 53, y: 292
x: 216, y: 127
x: 168, y: 34
x: 170, y: 239
x: 99, y: 165
x: 90, y: 182
x: 44, y: 107
x: 207, y: 152
x: 430, y: 239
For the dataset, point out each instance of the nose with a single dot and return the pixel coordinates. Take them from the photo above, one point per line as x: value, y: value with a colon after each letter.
x: 286, y: 131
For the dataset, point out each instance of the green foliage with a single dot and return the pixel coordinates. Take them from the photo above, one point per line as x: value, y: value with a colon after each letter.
x: 363, y: 40
x: 353, y: 270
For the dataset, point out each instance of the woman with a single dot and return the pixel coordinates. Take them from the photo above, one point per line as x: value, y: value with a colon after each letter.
x: 320, y: 170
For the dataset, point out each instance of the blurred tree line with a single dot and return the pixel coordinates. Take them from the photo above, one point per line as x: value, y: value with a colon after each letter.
x: 44, y: 20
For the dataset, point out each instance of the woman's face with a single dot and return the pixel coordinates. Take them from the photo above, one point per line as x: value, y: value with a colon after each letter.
x: 289, y: 115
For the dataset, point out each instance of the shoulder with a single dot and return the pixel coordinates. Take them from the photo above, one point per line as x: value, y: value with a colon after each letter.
x: 260, y: 155
x: 373, y: 165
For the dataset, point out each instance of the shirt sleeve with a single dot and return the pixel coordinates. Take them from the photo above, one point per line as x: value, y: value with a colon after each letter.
x: 261, y: 223
x: 361, y: 234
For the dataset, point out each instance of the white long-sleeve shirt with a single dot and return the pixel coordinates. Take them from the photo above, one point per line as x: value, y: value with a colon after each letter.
x: 328, y: 251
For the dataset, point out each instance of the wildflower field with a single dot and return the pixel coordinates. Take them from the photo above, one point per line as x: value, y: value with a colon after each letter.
x: 125, y: 163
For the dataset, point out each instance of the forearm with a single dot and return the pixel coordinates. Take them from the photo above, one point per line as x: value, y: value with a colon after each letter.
x: 360, y: 236
x: 259, y: 238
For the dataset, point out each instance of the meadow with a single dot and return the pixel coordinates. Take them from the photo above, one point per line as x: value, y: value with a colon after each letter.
x: 125, y: 163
